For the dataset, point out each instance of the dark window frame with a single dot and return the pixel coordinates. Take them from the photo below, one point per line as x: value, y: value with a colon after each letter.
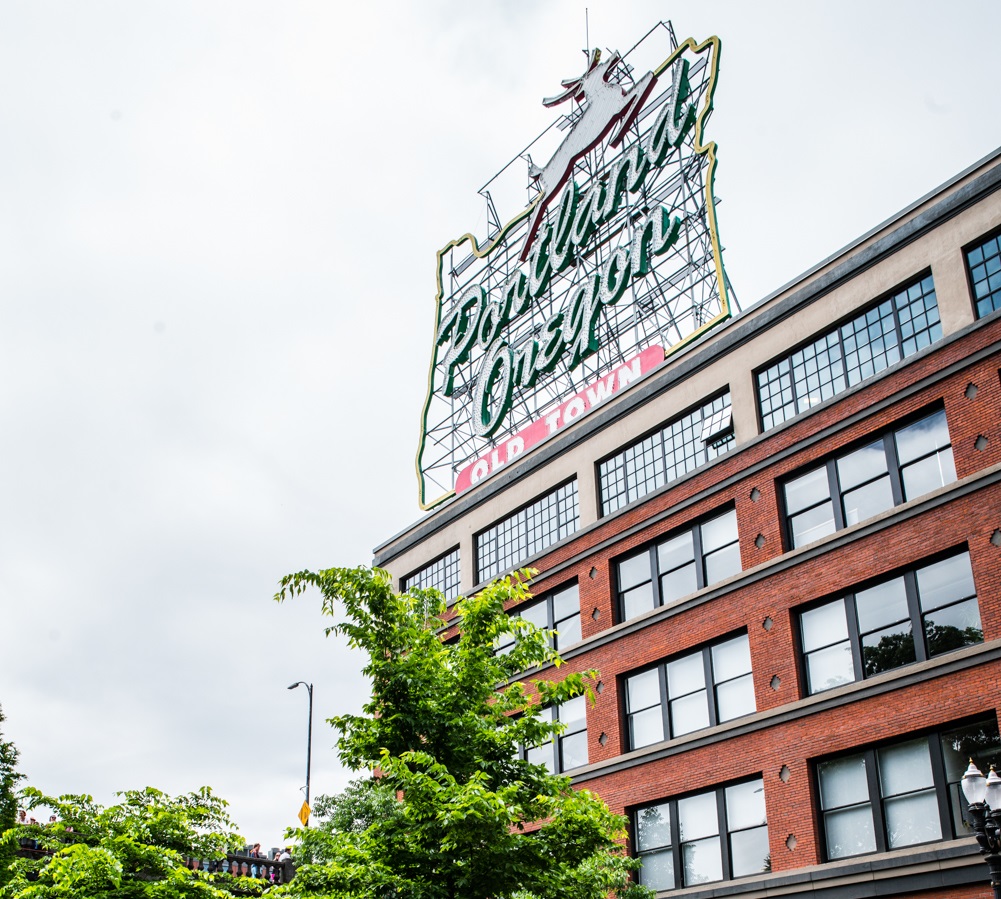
x: 972, y: 246
x: 556, y: 743
x: 406, y: 581
x: 836, y: 495
x: 512, y: 515
x: 833, y: 332
x: 548, y: 599
x: 717, y: 446
x: 695, y: 528
x: 724, y: 833
x: 916, y: 617
x: 711, y: 688
x: 949, y: 827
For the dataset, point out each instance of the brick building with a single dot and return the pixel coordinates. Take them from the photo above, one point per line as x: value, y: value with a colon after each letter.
x: 781, y: 551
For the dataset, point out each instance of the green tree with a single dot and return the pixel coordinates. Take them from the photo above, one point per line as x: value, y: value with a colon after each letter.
x: 362, y: 803
x: 443, y: 728
x: 9, y: 779
x: 135, y: 849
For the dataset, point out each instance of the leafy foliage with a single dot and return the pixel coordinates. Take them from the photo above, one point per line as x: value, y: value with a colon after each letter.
x: 9, y: 779
x: 132, y: 850
x: 442, y: 729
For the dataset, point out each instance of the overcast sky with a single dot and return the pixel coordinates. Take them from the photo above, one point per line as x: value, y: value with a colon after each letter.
x: 218, y: 225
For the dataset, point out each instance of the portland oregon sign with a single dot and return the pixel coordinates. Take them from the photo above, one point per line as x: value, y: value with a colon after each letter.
x: 600, y: 258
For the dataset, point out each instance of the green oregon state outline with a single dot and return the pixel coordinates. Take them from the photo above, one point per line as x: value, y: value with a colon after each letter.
x: 707, y: 149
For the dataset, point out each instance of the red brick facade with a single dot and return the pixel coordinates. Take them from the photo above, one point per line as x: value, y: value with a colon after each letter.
x: 790, y: 729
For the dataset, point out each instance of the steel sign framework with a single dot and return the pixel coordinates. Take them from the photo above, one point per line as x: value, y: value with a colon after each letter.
x: 614, y: 254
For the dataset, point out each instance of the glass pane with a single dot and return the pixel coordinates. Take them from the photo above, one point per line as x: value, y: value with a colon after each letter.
x: 690, y: 713
x: 675, y: 552
x: 922, y: 437
x: 573, y: 712
x: 541, y: 755
x: 905, y: 767
x: 881, y: 605
x: 686, y: 674
x: 912, y: 819
x: 807, y: 490
x: 537, y: 614
x: 702, y: 861
x: 843, y: 782
x: 722, y: 564
x: 866, y: 501
x: 745, y: 805
x: 637, y: 601
x: 830, y: 667
x: 646, y: 727
x: 731, y: 659
x: 658, y: 870
x: 824, y: 625
x: 849, y: 832
x: 573, y: 750
x: 634, y: 570
x: 566, y: 603
x: 953, y: 627
x: 735, y: 698
x: 697, y: 816
x: 678, y: 583
x: 978, y: 741
x: 719, y: 531
x: 928, y: 474
x: 888, y: 649
x: 653, y: 827
x: 812, y: 524
x: 568, y: 632
x: 945, y: 581
x: 749, y: 852
x: 643, y: 690
x: 862, y: 465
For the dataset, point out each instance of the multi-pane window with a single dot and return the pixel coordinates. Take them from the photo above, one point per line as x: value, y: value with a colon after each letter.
x: 558, y: 611
x: 569, y: 749
x: 690, y: 692
x: 442, y: 575
x: 682, y: 446
x: 984, y: 264
x: 891, y: 330
x: 531, y: 530
x: 716, y: 835
x: 897, y: 466
x: 686, y: 561
x: 912, y: 617
x: 903, y: 793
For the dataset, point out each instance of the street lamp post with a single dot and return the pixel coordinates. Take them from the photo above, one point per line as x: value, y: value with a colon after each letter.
x: 984, y: 796
x: 309, y: 736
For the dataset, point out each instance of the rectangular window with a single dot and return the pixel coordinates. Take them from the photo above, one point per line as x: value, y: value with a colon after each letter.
x: 510, y: 542
x: 682, y: 446
x: 915, y: 616
x: 558, y: 611
x: 686, y: 561
x: 903, y: 793
x: 569, y: 749
x: 715, y: 835
x: 897, y: 466
x: 983, y: 263
x: 689, y: 692
x: 442, y: 575
x: 891, y: 330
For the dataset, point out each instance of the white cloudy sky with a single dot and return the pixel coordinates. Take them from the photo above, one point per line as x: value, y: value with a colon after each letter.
x: 218, y: 225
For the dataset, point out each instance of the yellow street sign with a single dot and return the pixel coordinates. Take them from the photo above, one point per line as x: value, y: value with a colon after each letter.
x: 304, y: 814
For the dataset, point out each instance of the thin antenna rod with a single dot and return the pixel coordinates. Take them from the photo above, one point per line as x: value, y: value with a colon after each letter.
x: 587, y: 35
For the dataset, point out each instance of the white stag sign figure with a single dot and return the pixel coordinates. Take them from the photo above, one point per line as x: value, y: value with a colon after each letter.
x: 605, y: 104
